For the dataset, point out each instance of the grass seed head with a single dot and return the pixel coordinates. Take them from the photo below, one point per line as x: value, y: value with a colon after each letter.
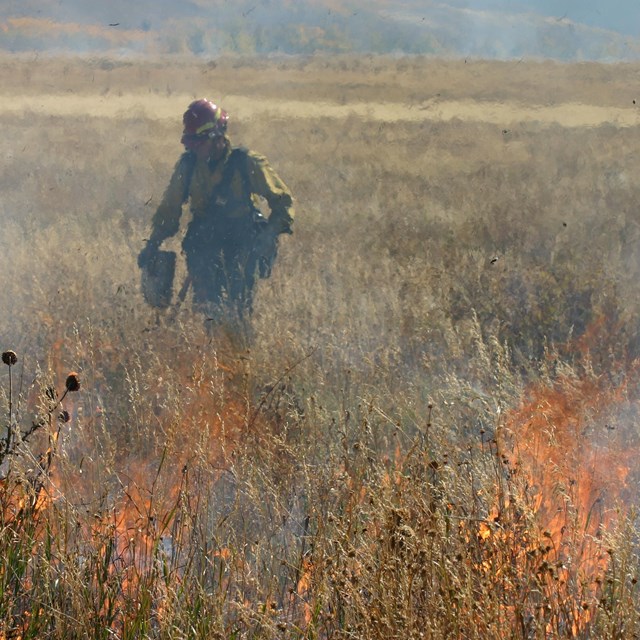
x: 9, y: 358
x: 72, y: 383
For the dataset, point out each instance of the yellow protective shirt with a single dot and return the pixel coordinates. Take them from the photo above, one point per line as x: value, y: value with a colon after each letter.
x: 201, y: 182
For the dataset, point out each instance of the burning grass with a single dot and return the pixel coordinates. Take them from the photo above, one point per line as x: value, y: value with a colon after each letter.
x: 269, y: 514
x: 431, y: 433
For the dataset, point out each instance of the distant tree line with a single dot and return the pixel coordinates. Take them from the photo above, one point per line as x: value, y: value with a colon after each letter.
x: 312, y: 27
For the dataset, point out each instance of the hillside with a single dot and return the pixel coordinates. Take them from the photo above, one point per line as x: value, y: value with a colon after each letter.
x: 494, y: 30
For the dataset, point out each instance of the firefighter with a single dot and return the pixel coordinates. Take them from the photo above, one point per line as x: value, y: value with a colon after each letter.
x: 228, y: 241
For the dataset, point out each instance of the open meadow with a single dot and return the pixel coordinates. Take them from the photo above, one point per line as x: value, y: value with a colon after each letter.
x: 432, y: 431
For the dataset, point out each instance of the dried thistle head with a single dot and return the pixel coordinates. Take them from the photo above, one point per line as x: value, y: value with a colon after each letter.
x: 72, y: 383
x: 64, y: 416
x: 9, y: 358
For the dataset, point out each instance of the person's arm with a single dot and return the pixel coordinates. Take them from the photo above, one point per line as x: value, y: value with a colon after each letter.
x: 166, y: 221
x: 265, y: 182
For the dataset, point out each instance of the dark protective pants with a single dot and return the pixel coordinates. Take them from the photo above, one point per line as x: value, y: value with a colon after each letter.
x: 222, y: 265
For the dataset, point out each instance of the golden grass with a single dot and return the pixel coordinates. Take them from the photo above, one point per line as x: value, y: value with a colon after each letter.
x: 347, y: 473
x: 368, y: 79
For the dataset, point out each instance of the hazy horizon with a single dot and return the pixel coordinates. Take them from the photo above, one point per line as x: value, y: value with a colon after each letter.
x: 566, y: 30
x: 622, y: 16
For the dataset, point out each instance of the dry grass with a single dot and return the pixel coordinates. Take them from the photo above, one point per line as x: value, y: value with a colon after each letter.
x: 386, y: 458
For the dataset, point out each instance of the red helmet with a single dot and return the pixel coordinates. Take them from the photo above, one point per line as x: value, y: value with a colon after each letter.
x: 203, y: 119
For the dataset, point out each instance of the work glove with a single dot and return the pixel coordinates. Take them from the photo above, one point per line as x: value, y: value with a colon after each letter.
x: 148, y: 252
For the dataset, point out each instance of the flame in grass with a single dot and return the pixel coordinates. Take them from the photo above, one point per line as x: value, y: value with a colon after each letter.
x: 140, y: 537
x: 304, y: 589
x: 577, y: 460
x: 30, y: 488
x: 149, y: 533
x: 151, y: 525
x: 570, y: 452
x: 574, y: 439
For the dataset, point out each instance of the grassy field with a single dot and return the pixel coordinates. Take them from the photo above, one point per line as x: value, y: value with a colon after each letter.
x: 432, y: 432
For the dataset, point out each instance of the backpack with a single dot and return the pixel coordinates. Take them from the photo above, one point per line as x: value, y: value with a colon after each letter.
x: 237, y: 161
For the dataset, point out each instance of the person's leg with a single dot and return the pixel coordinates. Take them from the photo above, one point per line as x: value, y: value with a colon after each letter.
x: 240, y: 276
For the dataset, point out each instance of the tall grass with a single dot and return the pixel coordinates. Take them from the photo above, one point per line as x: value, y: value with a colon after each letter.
x: 457, y: 299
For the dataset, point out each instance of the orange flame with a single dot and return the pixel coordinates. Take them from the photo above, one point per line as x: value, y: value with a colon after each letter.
x: 568, y: 455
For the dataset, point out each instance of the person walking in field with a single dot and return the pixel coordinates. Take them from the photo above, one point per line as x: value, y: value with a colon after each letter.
x: 228, y: 242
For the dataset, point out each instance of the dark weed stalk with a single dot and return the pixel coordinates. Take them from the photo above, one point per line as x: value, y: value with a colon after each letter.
x: 10, y: 359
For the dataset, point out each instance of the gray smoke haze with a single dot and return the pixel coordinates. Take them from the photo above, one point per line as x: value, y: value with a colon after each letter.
x: 622, y: 16
x: 567, y: 30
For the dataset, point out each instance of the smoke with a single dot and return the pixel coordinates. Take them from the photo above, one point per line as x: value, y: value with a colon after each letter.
x: 481, y: 28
